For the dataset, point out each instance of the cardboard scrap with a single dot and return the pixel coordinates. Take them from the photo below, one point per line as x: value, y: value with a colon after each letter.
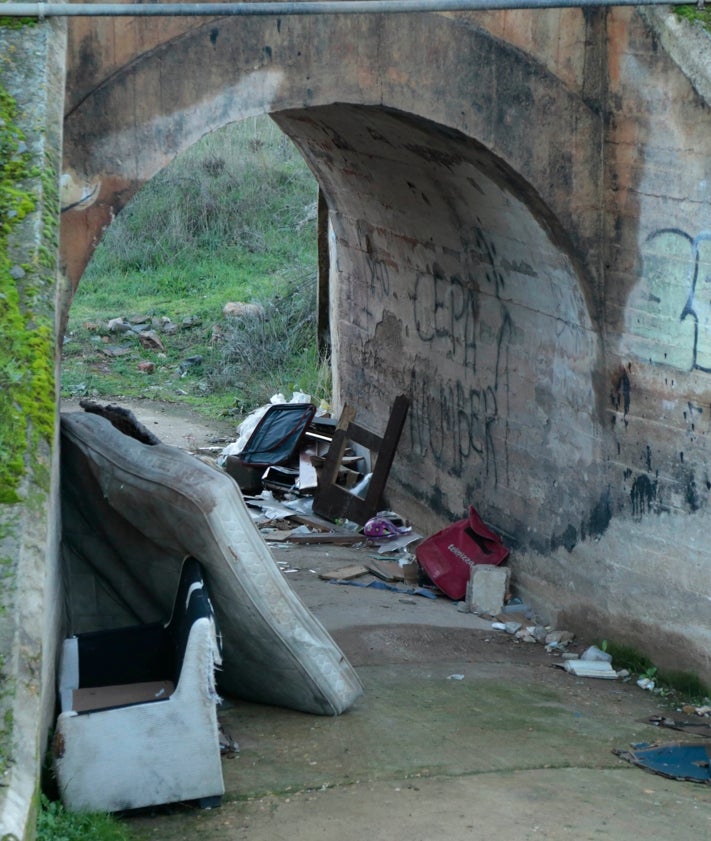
x: 699, y: 728
x: 386, y: 570
x: 344, y: 573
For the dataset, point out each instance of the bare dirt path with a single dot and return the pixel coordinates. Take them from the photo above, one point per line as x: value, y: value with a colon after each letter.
x: 174, y: 423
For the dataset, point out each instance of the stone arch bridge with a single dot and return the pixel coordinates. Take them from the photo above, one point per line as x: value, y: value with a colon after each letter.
x: 518, y: 213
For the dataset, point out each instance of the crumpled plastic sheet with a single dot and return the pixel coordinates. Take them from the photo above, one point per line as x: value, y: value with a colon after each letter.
x: 382, y: 585
x: 677, y: 761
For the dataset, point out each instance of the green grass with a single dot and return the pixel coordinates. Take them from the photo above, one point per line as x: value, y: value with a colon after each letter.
x: 694, y: 14
x: 682, y: 687
x: 55, y: 823
x: 232, y: 219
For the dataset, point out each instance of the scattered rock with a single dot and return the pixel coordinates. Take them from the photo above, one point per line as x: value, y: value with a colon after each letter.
x: 190, y: 321
x: 118, y: 325
x: 540, y: 633
x: 188, y: 363
x: 149, y: 339
x: 240, y: 309
x: 113, y: 350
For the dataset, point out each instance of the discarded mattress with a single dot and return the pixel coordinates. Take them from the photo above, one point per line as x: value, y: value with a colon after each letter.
x: 131, y: 512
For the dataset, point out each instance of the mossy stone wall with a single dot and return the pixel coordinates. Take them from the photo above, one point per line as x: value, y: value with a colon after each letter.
x: 32, y: 71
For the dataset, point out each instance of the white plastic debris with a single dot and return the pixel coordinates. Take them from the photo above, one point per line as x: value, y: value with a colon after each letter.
x: 590, y: 668
x: 595, y: 653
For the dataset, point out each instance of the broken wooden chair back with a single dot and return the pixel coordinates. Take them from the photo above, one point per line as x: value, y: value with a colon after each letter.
x: 335, y: 502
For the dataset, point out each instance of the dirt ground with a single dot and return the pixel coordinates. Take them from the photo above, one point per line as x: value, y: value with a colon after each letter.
x: 174, y: 423
x: 461, y: 731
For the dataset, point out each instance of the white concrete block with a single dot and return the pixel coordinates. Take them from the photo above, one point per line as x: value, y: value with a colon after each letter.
x: 486, y: 591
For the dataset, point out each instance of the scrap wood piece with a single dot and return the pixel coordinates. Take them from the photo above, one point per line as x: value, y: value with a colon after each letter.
x: 274, y: 510
x: 677, y: 761
x: 344, y: 573
x: 315, y: 523
x: 386, y: 570
x: 334, y: 538
x: 698, y: 728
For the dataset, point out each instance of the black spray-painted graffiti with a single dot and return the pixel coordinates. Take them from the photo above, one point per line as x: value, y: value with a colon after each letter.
x: 446, y: 309
x: 454, y: 423
x: 456, y: 420
x: 691, y: 307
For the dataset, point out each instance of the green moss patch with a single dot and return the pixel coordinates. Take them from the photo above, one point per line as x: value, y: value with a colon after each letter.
x: 694, y: 14
x: 26, y: 337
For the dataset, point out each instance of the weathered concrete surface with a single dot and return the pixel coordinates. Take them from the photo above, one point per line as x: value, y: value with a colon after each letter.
x: 519, y: 215
x: 515, y: 749
x: 32, y: 72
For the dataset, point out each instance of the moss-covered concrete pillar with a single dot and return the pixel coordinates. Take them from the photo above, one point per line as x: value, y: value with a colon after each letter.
x: 32, y: 69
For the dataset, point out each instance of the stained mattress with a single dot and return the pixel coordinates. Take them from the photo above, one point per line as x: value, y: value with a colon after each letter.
x: 132, y: 511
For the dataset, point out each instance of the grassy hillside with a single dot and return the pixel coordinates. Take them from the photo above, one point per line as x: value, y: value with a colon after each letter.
x: 233, y: 219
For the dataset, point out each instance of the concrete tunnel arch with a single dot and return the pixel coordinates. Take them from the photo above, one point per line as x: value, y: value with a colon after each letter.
x: 462, y: 255
x: 452, y: 282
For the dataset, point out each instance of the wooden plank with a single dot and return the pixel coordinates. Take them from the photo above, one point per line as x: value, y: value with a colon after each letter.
x: 344, y: 573
x: 385, y: 570
x: 334, y: 538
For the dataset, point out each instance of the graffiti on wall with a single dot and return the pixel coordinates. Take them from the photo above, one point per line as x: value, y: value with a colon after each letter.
x: 668, y: 314
x: 445, y: 311
x: 461, y: 319
x: 668, y: 323
x: 455, y: 422
x: 496, y: 354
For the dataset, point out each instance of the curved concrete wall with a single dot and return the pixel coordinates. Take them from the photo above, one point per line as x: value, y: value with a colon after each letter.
x: 450, y: 288
x: 519, y: 212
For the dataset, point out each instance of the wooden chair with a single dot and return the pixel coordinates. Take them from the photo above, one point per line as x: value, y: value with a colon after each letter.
x: 333, y: 501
